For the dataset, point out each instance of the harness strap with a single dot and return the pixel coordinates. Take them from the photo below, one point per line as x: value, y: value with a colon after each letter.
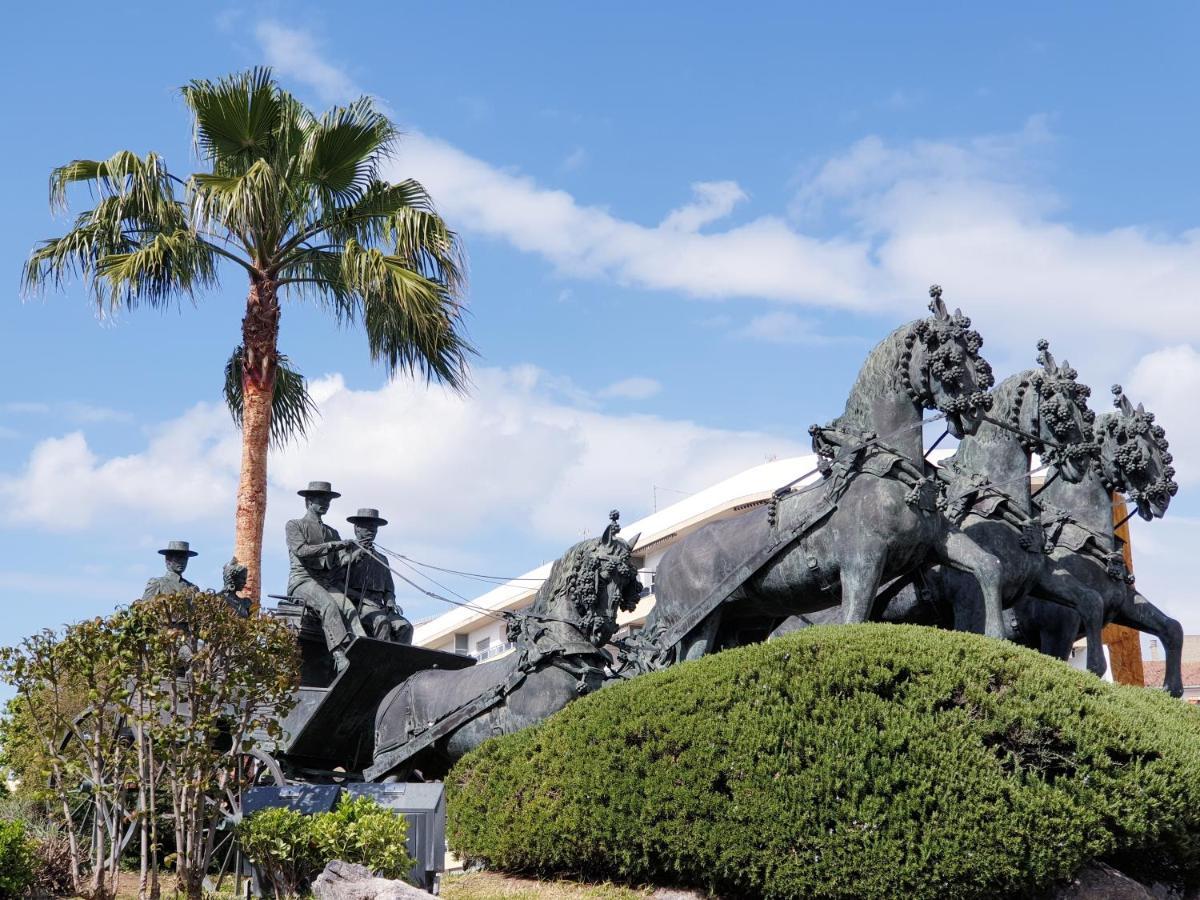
x: 840, y: 475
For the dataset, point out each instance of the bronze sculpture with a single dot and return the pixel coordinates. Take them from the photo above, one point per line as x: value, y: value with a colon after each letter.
x: 316, y: 576
x: 436, y: 716
x: 175, y: 557
x: 369, y: 583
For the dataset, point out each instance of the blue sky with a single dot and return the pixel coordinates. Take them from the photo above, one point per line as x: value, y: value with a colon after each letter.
x: 686, y: 223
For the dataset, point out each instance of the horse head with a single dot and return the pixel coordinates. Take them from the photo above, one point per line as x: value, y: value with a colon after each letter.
x: 1050, y: 410
x: 941, y: 367
x: 1134, y: 457
x: 588, y: 586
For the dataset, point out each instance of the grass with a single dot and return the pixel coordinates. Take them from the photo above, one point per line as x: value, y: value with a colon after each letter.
x: 493, y: 886
x: 473, y: 886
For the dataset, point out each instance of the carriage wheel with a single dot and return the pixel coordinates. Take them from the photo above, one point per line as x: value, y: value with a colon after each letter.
x: 249, y: 769
x: 83, y: 803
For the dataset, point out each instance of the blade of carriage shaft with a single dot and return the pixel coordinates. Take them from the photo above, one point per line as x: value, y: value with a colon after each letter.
x: 938, y: 441
x: 1045, y: 484
x: 1131, y: 514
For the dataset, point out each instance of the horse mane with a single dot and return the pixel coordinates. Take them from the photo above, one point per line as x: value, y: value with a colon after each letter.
x: 567, y: 576
x: 1007, y: 394
x: 878, y: 378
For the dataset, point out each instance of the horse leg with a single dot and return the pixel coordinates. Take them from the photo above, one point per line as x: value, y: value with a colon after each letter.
x: 699, y: 641
x: 860, y: 584
x: 1138, y: 612
x: 958, y: 550
x: 793, y: 624
x: 1067, y: 590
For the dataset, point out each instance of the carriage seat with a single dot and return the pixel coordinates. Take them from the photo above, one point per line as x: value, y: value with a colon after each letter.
x: 316, y: 662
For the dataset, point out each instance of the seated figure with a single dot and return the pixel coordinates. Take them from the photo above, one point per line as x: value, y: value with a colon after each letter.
x: 369, y: 583
x: 317, y: 575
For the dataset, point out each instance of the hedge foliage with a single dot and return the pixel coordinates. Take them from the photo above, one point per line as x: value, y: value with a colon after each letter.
x: 292, y: 848
x: 845, y: 761
x: 17, y: 858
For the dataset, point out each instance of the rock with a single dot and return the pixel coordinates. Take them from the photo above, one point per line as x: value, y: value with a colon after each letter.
x: 348, y: 881
x: 673, y: 894
x: 1096, y: 881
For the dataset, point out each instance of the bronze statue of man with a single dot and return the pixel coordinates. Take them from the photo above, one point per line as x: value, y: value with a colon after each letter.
x: 175, y: 555
x: 370, y: 584
x: 317, y: 576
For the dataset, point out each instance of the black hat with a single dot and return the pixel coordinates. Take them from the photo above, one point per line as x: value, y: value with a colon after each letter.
x: 319, y: 489
x: 178, y: 547
x: 366, y: 516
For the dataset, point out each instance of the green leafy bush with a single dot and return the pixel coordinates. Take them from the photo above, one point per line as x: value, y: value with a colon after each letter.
x: 279, y: 841
x: 292, y: 848
x: 861, y: 761
x: 361, y: 831
x: 16, y: 858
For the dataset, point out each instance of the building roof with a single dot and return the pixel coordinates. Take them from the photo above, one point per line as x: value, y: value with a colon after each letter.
x: 751, y: 486
x: 1154, y: 670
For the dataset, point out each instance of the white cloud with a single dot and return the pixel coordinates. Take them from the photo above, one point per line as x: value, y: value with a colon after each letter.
x: 783, y: 327
x: 187, y: 471
x: 714, y: 201
x: 1164, y: 554
x: 515, y: 454
x: 636, y: 388
x: 763, y: 258
x: 967, y: 213
x: 1167, y: 382
x: 71, y: 411
x: 294, y: 55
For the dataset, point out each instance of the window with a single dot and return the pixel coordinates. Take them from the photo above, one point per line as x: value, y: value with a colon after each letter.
x: 482, y: 644
x: 647, y: 580
x: 462, y: 644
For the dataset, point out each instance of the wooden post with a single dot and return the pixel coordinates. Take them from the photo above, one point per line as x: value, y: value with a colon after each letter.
x: 1124, y: 644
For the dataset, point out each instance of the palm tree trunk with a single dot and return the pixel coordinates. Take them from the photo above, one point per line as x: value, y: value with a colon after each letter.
x: 260, y: 335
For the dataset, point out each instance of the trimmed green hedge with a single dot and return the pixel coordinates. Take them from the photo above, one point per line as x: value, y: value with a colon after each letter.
x: 845, y: 761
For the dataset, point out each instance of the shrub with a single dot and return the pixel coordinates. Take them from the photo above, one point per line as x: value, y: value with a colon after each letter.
x: 16, y: 858
x: 292, y: 848
x: 844, y: 761
x: 279, y: 841
x: 50, y: 859
x: 361, y: 831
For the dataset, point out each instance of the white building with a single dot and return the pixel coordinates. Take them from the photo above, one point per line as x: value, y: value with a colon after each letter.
x: 474, y: 632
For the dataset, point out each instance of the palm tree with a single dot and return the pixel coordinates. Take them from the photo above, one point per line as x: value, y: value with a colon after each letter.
x: 297, y: 203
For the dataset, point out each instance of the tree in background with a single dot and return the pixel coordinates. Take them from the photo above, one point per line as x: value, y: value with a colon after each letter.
x: 295, y: 201
x: 175, y: 690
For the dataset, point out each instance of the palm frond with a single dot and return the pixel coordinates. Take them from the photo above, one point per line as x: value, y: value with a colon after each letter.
x: 344, y: 149
x: 124, y: 176
x: 421, y: 237
x: 412, y: 322
x: 366, y: 220
x: 246, y: 203
x: 292, y: 408
x: 237, y: 117
x: 156, y: 270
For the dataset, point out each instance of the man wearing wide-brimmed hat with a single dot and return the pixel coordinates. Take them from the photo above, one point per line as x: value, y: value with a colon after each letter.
x: 370, y: 584
x: 176, y: 555
x: 317, y: 576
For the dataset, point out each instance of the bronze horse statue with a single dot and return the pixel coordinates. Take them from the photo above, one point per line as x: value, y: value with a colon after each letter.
x: 430, y: 720
x: 1041, y: 411
x: 874, y: 517
x: 1084, y: 558
x: 1133, y: 460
